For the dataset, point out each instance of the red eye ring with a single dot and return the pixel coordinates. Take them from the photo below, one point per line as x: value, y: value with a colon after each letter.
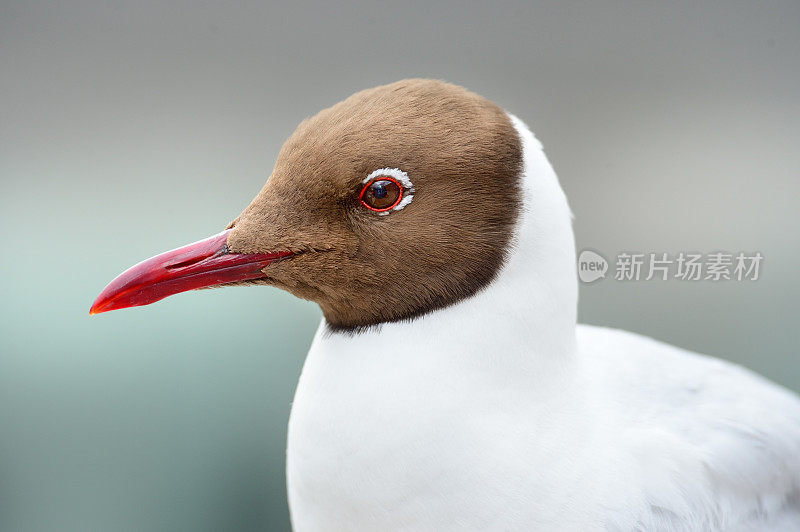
x: 382, y: 178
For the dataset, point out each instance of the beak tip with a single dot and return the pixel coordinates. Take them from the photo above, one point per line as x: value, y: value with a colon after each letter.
x: 99, y: 306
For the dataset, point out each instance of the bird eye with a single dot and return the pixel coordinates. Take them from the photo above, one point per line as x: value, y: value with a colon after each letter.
x: 381, y: 194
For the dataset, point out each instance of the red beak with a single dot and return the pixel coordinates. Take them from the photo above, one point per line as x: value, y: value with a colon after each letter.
x: 199, y: 265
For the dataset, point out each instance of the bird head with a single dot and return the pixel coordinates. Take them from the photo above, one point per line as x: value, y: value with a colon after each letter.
x: 397, y: 201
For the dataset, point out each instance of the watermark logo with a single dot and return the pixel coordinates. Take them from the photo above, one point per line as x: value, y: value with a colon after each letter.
x: 683, y: 266
x: 591, y: 266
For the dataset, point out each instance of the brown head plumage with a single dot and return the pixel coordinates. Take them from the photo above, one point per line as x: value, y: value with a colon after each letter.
x: 462, y: 158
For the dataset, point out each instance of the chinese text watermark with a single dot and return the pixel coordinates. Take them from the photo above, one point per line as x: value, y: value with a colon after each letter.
x: 683, y: 266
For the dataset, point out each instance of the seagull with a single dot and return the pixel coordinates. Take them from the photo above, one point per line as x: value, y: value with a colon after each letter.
x: 448, y: 386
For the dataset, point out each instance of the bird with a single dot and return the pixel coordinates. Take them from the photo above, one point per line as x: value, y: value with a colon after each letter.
x: 449, y: 385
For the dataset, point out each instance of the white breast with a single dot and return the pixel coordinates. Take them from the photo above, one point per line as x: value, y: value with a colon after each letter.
x: 384, y: 438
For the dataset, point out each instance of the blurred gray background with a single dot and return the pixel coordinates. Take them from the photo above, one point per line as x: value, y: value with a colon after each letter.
x: 127, y: 128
